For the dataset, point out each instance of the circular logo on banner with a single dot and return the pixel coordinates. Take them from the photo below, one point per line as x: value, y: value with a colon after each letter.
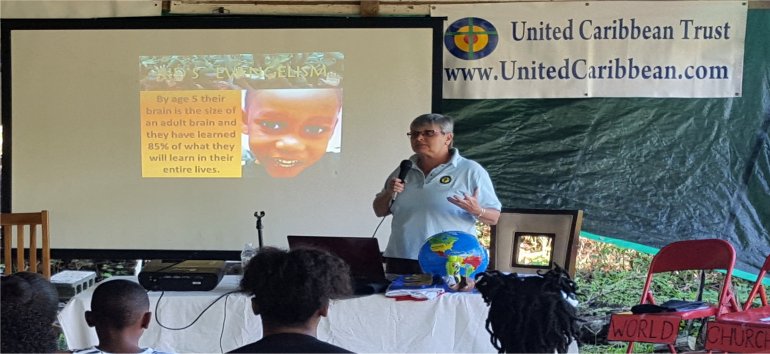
x: 445, y: 180
x: 470, y: 38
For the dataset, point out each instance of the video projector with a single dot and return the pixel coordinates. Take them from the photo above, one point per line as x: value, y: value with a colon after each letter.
x: 193, y: 275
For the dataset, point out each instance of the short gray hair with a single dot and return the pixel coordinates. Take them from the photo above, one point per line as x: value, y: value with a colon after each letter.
x: 446, y: 123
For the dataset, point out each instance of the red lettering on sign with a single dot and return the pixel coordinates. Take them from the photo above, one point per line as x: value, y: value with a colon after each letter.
x: 651, y: 328
x: 738, y: 338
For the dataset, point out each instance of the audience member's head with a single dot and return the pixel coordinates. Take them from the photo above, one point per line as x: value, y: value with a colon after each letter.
x: 120, y: 312
x: 529, y: 314
x: 29, y: 303
x: 290, y: 288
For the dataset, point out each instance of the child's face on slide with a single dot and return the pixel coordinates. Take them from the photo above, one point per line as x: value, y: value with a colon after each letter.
x: 289, y: 129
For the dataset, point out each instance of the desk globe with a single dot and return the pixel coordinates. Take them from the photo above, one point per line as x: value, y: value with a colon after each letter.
x: 453, y: 254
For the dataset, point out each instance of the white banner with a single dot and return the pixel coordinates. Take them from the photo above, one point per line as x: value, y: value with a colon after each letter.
x: 594, y: 49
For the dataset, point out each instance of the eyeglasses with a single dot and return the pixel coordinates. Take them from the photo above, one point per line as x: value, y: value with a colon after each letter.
x: 428, y: 133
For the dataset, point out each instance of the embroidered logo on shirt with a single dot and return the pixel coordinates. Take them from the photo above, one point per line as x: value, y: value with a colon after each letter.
x: 445, y: 180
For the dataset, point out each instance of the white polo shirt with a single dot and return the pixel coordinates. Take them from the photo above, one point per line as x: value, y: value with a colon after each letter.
x: 422, y: 209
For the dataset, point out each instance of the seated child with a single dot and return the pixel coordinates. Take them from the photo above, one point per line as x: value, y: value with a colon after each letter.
x: 291, y: 292
x: 530, y: 314
x: 28, y: 311
x: 120, y: 312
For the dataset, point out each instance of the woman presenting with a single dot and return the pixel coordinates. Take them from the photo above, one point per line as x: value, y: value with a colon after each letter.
x: 441, y: 191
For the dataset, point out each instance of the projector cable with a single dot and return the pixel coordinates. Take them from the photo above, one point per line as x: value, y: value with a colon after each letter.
x: 157, y: 318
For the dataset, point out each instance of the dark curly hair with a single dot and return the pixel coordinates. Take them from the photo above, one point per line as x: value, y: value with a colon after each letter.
x: 289, y: 286
x: 28, y: 306
x: 529, y: 314
x: 118, y: 303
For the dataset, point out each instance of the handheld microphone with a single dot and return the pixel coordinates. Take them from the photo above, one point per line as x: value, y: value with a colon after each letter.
x: 405, y: 166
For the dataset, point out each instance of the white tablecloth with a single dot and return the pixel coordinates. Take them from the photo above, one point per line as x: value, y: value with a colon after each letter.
x: 450, y: 323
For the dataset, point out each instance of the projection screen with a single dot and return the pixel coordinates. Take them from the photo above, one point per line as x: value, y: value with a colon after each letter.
x: 161, y: 137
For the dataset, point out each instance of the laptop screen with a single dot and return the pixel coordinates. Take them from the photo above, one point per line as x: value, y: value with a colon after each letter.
x: 361, y: 253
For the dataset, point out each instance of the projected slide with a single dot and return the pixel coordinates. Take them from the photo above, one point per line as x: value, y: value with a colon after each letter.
x: 234, y: 115
x: 157, y: 136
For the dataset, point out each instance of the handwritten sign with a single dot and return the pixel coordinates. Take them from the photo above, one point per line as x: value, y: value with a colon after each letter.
x: 651, y: 328
x: 738, y: 338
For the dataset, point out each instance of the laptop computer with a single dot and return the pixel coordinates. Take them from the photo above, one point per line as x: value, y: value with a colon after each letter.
x: 362, y: 254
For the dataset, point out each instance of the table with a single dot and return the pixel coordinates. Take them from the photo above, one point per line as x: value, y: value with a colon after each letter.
x: 454, y: 322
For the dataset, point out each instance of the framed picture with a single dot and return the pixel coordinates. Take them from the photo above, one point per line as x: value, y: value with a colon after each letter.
x: 528, y: 240
x: 532, y: 250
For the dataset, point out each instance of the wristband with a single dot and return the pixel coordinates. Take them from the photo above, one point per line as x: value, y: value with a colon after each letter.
x: 481, y: 213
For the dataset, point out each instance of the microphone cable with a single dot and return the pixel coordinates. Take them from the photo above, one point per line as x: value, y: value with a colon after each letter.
x: 374, y: 234
x: 390, y: 204
x: 403, y: 169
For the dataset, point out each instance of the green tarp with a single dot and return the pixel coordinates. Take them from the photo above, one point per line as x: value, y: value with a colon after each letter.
x: 647, y: 170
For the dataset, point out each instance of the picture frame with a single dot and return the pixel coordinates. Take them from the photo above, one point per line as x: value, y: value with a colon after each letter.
x: 526, y: 241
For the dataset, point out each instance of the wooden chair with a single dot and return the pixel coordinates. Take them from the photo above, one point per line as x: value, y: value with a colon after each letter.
x: 20, y: 224
x: 663, y: 327
x: 746, y: 331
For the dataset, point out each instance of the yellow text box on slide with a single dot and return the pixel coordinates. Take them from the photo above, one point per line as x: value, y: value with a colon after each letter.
x: 191, y: 133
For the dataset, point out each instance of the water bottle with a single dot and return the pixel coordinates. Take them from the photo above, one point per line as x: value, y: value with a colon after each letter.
x: 248, y: 252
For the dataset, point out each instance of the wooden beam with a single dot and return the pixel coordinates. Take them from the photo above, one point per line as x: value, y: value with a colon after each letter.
x: 370, y: 8
x: 349, y: 7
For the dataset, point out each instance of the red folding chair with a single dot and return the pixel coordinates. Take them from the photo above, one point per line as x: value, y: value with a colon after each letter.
x: 745, y: 331
x: 758, y: 288
x: 663, y: 327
